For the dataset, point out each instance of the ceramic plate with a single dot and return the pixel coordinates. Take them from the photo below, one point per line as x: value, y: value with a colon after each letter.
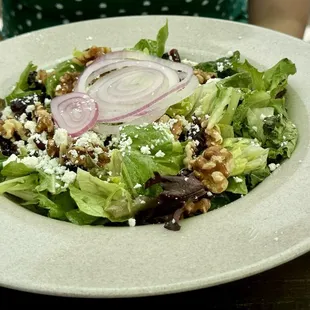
x: 268, y: 227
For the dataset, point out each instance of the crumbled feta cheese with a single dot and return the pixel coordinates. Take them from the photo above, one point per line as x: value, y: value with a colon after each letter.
x: 230, y: 54
x: 220, y: 67
x: 137, y: 186
x: 74, y: 153
x: 273, y: 166
x: 23, y: 118
x: 189, y: 62
x: 98, y: 150
x: 30, y: 108
x: 31, y: 126
x: 145, y: 150
x: 7, y: 113
x: 209, y: 194
x: 238, y: 180
x: 132, y: 222
x: 20, y: 144
x: 89, y: 138
x: 58, y: 87
x: 262, y: 116
x: 61, y: 137
x: 30, y: 161
x: 160, y: 154
x: 47, y: 101
x: 68, y: 177
x: 12, y: 158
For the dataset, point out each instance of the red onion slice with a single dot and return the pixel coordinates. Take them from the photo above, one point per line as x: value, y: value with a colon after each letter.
x: 134, y: 84
x: 75, y: 112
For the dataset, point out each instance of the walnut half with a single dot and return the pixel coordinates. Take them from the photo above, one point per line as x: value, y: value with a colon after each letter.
x: 44, y: 122
x: 213, y: 168
x: 203, y: 77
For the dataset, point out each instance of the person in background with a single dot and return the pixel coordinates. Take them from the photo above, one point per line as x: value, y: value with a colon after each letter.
x: 21, y: 16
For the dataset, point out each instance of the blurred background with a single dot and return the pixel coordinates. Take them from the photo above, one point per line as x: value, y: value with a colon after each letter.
x: 306, y: 35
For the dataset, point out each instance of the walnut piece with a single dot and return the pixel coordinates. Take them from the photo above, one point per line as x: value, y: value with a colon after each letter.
x: 52, y: 149
x: 190, y: 150
x: 77, y: 155
x: 11, y: 126
x: 203, y: 77
x: 213, y: 136
x: 213, y: 168
x: 177, y: 127
x: 202, y: 206
x: 44, y: 121
x: 67, y: 83
x: 90, y: 55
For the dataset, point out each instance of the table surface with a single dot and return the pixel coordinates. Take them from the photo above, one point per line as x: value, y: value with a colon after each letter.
x: 284, y: 287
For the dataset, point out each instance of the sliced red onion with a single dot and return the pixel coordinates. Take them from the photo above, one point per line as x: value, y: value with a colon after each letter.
x: 135, y: 85
x: 75, y: 112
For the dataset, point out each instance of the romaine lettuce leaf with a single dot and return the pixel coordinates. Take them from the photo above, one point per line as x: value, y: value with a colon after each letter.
x: 24, y: 183
x: 247, y: 154
x: 257, y: 176
x: 15, y: 169
x: 186, y: 106
x: 80, y: 218
x: 224, y: 107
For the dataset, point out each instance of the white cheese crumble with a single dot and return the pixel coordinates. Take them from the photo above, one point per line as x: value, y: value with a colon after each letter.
x: 68, y: 177
x: 132, y: 222
x: 30, y: 161
x: 145, y: 150
x: 238, y: 180
x: 273, y: 166
x: 262, y: 116
x: 61, y: 137
x: 137, y: 186
x: 189, y: 62
x: 7, y: 113
x: 220, y: 67
x: 20, y: 144
x: 89, y: 138
x: 160, y: 154
x: 230, y: 54
x: 58, y: 87
x: 31, y: 126
x: 30, y: 108
x: 23, y: 118
x: 47, y: 101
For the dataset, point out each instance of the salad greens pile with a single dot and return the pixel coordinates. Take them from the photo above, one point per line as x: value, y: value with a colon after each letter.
x: 148, y: 178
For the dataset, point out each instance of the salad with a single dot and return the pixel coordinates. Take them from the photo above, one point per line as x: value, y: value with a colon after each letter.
x: 141, y: 136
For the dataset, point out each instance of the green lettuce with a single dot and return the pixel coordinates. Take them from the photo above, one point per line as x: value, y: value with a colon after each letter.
x: 52, y: 80
x: 281, y: 136
x: 273, y: 80
x: 237, y: 185
x: 186, y: 106
x: 99, y: 198
x: 247, y: 154
x: 154, y: 47
x: 224, y: 66
x: 22, y: 88
x: 165, y: 156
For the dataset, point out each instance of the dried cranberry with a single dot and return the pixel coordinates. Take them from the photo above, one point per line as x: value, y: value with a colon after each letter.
x: 7, y: 147
x: 18, y: 106
x: 165, y: 56
x: 175, y: 55
x: 40, y: 145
